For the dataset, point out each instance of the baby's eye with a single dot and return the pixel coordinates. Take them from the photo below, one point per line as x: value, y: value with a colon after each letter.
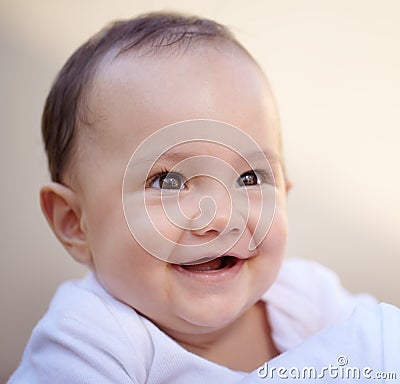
x: 168, y: 180
x: 250, y: 178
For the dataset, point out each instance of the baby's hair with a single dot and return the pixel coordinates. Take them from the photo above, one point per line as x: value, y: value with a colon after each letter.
x: 151, y: 33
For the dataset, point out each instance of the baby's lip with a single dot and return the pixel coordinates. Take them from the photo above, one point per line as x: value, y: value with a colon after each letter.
x: 212, y: 257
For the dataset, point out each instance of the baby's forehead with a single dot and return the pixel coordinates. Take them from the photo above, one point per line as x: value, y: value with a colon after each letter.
x: 191, y: 85
x: 186, y: 63
x: 133, y: 97
x: 237, y: 152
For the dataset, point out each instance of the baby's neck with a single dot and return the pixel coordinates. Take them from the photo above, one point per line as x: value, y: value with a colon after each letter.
x: 242, y: 346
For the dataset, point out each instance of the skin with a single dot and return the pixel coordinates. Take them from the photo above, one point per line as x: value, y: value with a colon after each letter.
x: 132, y: 98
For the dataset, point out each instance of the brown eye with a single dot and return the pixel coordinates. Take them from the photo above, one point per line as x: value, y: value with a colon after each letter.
x: 168, y: 180
x: 249, y: 178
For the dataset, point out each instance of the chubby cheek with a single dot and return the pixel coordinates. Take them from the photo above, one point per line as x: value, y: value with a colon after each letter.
x: 266, y: 210
x: 124, y: 269
x: 271, y: 249
x: 274, y: 243
x: 164, y: 223
x: 132, y: 276
x: 151, y: 224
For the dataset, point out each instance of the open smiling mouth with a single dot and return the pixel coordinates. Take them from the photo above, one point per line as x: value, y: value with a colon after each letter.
x: 215, y: 265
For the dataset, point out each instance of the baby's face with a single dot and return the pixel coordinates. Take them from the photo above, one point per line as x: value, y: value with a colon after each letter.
x: 132, y: 99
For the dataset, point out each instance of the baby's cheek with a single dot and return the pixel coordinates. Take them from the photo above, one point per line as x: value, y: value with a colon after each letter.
x: 274, y: 243
x: 261, y: 216
x: 161, y: 224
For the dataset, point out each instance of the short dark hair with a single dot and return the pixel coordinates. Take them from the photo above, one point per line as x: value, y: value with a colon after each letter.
x: 150, y: 33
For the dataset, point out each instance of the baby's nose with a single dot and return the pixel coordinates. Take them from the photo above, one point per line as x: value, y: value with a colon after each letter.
x: 216, y: 212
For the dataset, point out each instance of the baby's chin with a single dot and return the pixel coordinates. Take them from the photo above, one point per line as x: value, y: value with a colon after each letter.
x: 210, y: 318
x: 201, y: 307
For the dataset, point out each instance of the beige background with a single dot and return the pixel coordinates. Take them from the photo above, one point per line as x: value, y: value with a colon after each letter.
x: 334, y: 65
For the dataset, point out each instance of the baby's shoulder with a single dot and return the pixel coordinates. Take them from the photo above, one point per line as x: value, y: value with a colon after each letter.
x: 86, y: 305
x: 92, y: 334
x: 305, y: 298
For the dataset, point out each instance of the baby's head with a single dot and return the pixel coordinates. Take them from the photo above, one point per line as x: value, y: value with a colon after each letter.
x: 111, y: 101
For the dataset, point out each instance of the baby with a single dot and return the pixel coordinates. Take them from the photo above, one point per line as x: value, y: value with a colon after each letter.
x: 168, y: 182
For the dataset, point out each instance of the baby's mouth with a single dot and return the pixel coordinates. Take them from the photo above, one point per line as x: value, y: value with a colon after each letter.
x: 218, y: 264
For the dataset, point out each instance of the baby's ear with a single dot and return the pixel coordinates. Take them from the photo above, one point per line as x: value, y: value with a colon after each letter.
x: 61, y: 207
x: 288, y: 185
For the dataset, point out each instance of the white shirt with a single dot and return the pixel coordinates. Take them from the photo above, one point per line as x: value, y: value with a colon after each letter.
x: 362, y: 349
x: 87, y: 336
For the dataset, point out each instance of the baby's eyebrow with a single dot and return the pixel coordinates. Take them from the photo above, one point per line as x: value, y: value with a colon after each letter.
x: 173, y: 157
x: 176, y: 156
x: 265, y: 153
x: 167, y: 157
